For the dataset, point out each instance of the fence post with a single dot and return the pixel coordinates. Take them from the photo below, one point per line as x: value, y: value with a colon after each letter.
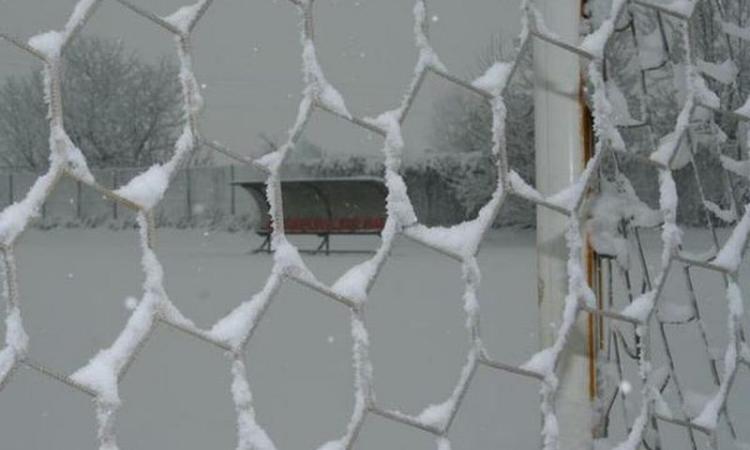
x: 232, y: 198
x: 188, y: 195
x: 79, y: 198
x: 114, y: 187
x: 11, y: 192
x: 560, y: 158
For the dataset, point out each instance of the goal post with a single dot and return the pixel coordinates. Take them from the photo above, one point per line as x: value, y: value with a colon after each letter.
x: 562, y: 133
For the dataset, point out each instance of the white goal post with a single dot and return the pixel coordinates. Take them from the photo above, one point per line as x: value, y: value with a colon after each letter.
x: 559, y: 109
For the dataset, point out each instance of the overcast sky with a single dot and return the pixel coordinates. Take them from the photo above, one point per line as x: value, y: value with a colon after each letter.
x: 247, y: 54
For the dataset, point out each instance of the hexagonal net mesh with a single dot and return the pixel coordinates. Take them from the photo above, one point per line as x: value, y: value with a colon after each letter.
x: 662, y: 36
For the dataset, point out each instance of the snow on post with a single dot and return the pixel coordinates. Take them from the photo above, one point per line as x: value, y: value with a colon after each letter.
x: 560, y: 161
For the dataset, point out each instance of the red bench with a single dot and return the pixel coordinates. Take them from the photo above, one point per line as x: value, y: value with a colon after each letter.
x: 325, y: 206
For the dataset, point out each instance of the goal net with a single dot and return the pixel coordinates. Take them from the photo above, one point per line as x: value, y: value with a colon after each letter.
x: 678, y: 61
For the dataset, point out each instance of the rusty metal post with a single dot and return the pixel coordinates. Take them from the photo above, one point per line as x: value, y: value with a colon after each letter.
x: 561, y: 152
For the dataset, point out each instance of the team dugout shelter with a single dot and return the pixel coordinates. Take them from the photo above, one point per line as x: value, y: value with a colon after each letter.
x: 323, y: 207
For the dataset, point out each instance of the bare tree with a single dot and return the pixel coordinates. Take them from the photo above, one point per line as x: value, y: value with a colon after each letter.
x: 119, y: 109
x: 462, y: 128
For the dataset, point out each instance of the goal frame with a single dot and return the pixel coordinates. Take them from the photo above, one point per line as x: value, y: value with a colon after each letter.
x: 563, y: 144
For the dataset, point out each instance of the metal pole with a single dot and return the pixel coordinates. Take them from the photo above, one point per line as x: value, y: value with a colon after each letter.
x: 232, y: 194
x: 79, y: 196
x: 11, y: 192
x: 188, y: 195
x: 114, y: 187
x: 560, y: 158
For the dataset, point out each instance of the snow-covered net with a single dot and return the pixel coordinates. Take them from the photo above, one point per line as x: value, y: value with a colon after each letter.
x: 602, y: 201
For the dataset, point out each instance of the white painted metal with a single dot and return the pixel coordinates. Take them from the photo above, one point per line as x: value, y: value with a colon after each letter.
x: 559, y: 161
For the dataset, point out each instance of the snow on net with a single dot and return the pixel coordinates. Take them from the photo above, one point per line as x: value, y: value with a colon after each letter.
x: 616, y: 204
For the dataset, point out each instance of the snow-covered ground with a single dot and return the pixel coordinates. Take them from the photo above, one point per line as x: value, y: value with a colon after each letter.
x: 75, y: 285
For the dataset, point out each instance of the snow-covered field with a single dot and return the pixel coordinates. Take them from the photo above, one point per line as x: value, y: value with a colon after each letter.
x: 176, y: 396
x: 75, y: 286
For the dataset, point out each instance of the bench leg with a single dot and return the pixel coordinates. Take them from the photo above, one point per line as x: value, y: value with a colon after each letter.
x: 325, y: 243
x: 265, y: 246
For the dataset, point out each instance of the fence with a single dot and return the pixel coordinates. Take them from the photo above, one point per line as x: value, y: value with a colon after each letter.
x: 197, y: 196
x: 629, y: 320
x: 206, y: 197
